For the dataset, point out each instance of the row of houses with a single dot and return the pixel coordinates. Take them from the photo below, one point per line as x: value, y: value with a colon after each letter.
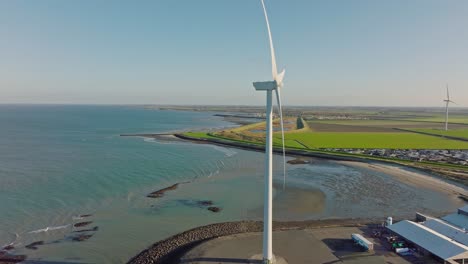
x: 459, y: 157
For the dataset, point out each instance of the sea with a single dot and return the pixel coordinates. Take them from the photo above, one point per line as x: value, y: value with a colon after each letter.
x: 63, y: 165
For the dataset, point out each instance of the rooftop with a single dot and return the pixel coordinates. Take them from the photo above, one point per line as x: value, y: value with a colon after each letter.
x: 463, y: 210
x: 432, y: 241
x: 448, y: 230
x: 459, y: 220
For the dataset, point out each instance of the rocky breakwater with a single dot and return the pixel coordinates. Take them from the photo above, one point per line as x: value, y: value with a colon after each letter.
x: 167, y: 250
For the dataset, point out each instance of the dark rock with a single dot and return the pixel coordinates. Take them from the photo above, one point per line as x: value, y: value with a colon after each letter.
x: 85, y: 215
x: 214, y: 209
x: 80, y: 224
x: 82, y: 237
x: 34, y: 245
x: 7, y: 259
x: 87, y: 230
x: 160, y: 193
x: 9, y: 247
x: 195, y: 203
x: 298, y: 161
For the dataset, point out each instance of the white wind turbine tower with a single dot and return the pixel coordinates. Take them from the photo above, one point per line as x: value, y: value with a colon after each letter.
x: 447, y: 102
x: 269, y: 87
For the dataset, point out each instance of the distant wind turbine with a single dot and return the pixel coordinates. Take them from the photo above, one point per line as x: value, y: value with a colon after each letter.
x: 447, y: 102
x: 269, y: 87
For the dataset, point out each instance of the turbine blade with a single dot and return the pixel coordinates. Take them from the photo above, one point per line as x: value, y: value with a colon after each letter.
x: 279, y: 78
x: 274, y: 69
x: 280, y: 110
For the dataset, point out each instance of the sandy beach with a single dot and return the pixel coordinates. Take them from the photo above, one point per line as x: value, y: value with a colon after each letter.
x: 411, y: 178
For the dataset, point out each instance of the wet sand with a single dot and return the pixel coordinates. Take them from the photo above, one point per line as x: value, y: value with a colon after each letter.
x: 411, y: 178
x: 294, y: 204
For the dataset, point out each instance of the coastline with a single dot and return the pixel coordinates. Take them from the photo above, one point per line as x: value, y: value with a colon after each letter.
x: 460, y: 178
x: 171, y: 249
x: 385, y: 166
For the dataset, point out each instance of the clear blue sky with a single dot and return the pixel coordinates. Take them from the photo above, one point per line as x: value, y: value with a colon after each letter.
x: 358, y: 52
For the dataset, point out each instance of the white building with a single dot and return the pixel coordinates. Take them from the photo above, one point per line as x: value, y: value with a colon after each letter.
x: 446, y: 238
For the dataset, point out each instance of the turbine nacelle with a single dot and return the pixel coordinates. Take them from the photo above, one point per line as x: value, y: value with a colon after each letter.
x: 270, y: 85
x: 265, y: 86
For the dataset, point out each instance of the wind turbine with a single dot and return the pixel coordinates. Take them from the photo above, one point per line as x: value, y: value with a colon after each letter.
x: 269, y: 87
x: 447, y: 102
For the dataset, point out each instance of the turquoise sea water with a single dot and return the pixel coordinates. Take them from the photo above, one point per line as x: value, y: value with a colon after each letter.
x: 58, y: 162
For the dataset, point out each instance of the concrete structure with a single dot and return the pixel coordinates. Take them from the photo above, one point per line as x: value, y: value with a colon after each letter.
x: 307, y: 246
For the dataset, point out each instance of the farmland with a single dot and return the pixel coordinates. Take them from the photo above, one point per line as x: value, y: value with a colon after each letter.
x: 362, y: 134
x: 377, y: 140
x: 384, y: 123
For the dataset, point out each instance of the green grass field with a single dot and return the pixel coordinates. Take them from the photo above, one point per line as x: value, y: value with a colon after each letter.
x: 365, y: 122
x: 371, y: 140
x: 461, y: 133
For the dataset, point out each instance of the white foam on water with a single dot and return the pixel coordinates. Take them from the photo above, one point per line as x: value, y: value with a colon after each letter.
x: 227, y: 151
x: 166, y: 142
x: 49, y: 228
x: 213, y: 173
